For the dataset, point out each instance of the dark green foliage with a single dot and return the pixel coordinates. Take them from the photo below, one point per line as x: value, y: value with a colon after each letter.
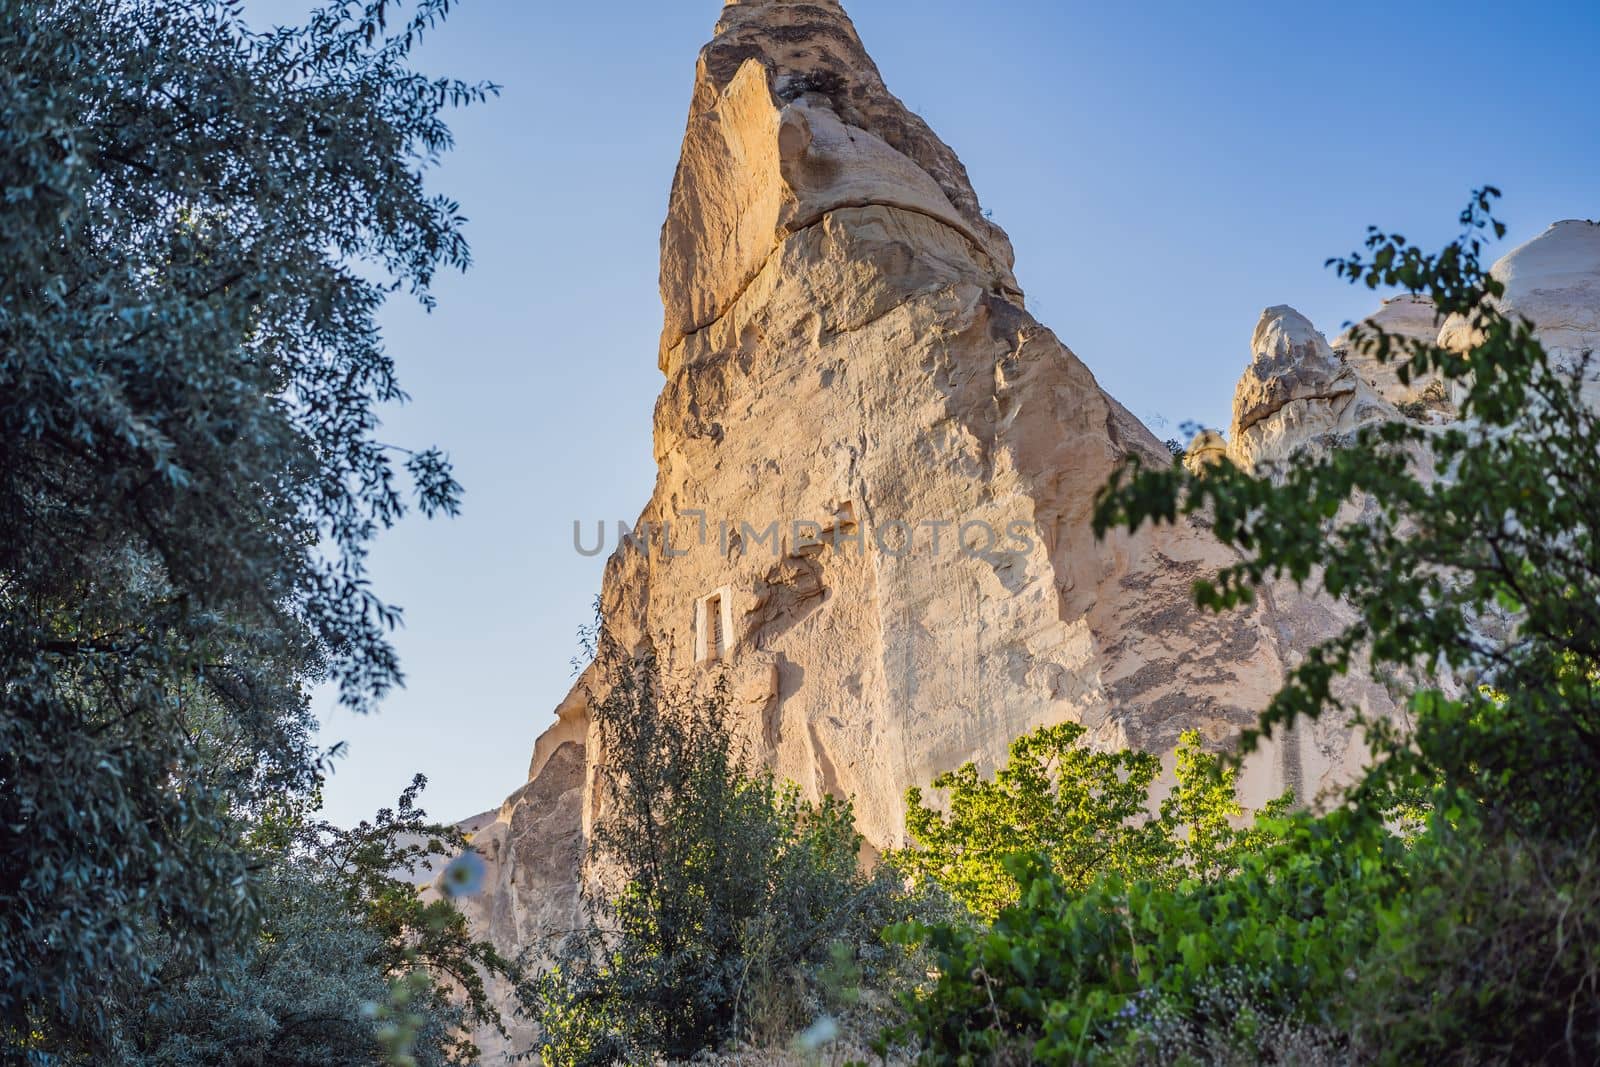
x: 341, y: 930
x: 370, y: 864
x: 1500, y: 527
x: 294, y: 997
x: 199, y: 227
x: 726, y: 896
x: 1493, y: 957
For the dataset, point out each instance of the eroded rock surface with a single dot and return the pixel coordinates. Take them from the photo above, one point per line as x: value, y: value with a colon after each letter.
x: 1297, y: 393
x: 1300, y: 395
x: 1553, y: 281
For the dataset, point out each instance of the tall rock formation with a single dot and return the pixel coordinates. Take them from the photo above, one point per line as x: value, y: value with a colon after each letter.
x: 876, y: 475
x: 1554, y: 282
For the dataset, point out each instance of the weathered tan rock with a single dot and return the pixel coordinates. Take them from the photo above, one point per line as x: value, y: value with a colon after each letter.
x: 1554, y: 282
x: 1406, y: 317
x: 876, y: 475
x: 1207, y: 449
x: 1300, y: 395
x: 772, y: 146
x: 1297, y: 394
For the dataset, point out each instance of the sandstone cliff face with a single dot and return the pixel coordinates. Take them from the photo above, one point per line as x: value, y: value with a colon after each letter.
x: 847, y: 352
x: 876, y: 474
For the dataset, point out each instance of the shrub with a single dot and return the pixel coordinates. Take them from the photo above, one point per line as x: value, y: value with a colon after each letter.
x: 725, y: 897
x: 1229, y: 1027
x: 1069, y: 973
x: 1087, y: 813
x: 348, y: 964
x: 1494, y: 957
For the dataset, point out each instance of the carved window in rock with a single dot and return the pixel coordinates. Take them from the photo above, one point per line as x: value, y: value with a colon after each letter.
x: 713, y: 627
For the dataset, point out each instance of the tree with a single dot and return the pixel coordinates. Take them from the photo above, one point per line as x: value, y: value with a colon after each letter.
x: 345, y: 945
x: 1475, y: 571
x: 201, y: 223
x: 1084, y: 813
x: 293, y: 996
x: 1082, y: 974
x: 374, y: 865
x: 1082, y: 809
x: 725, y: 895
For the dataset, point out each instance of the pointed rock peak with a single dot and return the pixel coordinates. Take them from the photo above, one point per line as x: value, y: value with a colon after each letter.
x: 1290, y: 360
x: 1283, y: 333
x: 810, y: 49
x: 780, y: 3
x: 791, y: 120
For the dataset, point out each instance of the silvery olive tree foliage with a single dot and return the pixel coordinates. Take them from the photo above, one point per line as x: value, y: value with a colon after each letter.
x: 200, y: 224
x: 348, y: 964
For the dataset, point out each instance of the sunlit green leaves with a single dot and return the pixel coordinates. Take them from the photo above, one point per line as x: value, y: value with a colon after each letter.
x: 1087, y: 813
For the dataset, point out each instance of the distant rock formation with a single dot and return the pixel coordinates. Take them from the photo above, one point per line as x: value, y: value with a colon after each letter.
x: 1296, y: 392
x: 1554, y: 282
x: 1300, y: 395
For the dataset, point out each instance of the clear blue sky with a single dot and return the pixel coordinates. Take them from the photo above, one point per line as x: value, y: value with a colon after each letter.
x: 1166, y: 170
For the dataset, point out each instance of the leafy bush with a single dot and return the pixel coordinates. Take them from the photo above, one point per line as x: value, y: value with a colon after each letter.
x: 1086, y: 812
x: 1229, y: 1027
x: 294, y: 995
x: 344, y: 947
x: 725, y: 897
x: 1493, y: 957
x: 1071, y: 973
x: 1341, y: 942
